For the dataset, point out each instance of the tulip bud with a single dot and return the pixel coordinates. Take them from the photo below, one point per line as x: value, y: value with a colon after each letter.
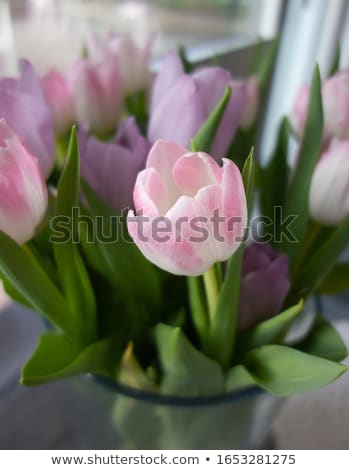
x: 111, y: 168
x: 23, y: 198
x: 252, y: 103
x: 264, y: 284
x: 23, y: 107
x: 59, y: 100
x: 335, y: 102
x: 335, y: 96
x: 98, y: 95
x: 132, y: 60
x: 181, y: 103
x: 329, y: 190
x: 190, y: 211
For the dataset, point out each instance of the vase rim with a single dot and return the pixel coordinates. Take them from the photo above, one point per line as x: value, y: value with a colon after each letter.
x: 177, y: 400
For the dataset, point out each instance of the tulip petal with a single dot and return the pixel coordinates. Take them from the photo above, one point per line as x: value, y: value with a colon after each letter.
x: 171, y: 71
x: 178, y: 115
x: 192, y: 171
x: 163, y: 156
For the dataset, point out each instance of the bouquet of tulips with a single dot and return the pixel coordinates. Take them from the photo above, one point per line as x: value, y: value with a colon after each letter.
x: 135, y: 218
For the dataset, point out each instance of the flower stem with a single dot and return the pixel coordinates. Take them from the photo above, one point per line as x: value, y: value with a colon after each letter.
x: 212, y: 290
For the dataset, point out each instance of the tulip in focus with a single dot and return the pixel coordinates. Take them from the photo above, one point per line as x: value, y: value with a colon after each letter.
x: 329, y: 190
x: 178, y: 198
x: 23, y: 192
x: 264, y: 284
x: 181, y: 104
x: 59, y: 100
x: 335, y: 101
x: 23, y: 106
x: 132, y: 60
x: 111, y: 168
x: 98, y: 95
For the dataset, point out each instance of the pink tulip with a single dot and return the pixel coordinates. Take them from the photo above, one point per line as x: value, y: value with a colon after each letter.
x: 190, y: 211
x: 59, y: 100
x: 23, y: 192
x: 132, y: 60
x: 329, y: 191
x: 335, y: 95
x: 98, y: 95
x: 335, y: 101
x: 249, y: 114
x: 181, y: 104
x: 23, y: 107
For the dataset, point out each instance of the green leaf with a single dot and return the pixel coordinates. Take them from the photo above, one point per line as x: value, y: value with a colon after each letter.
x: 297, y: 199
x: 238, y: 377
x: 72, y: 272
x: 270, y: 331
x: 285, y: 371
x: 274, y: 181
x: 56, y: 357
x: 206, y: 134
x: 336, y: 61
x: 24, y: 273
x: 186, y: 370
x: 336, y: 281
x: 249, y: 179
x: 324, y: 341
x: 324, y: 258
x: 127, y: 269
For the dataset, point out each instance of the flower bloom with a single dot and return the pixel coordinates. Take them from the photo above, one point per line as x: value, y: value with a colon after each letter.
x: 181, y: 103
x: 190, y: 211
x: 23, y: 192
x: 132, y: 60
x: 111, y: 168
x: 98, y: 95
x: 264, y: 284
x: 23, y: 106
x: 329, y: 190
x: 335, y: 101
x: 59, y: 100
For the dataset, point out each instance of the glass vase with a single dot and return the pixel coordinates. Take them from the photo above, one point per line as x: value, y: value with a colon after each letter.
x: 113, y: 416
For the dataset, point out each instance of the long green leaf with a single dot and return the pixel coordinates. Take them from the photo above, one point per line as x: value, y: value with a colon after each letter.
x: 323, y: 260
x: 25, y: 274
x: 206, y: 134
x: 73, y: 275
x: 297, y: 199
x: 274, y: 181
x: 56, y: 357
x: 186, y: 370
x: 336, y: 61
x: 285, y: 371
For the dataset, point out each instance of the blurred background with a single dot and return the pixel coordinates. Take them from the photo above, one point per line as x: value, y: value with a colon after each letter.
x: 52, y: 31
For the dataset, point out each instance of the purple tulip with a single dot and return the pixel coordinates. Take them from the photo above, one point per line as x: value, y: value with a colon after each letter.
x: 111, y: 168
x: 181, y: 103
x: 264, y: 284
x: 23, y: 106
